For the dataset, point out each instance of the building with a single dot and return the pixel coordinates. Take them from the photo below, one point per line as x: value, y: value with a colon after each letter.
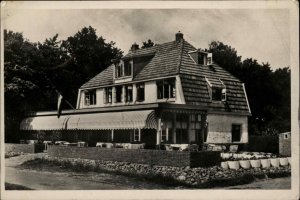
x: 169, y: 93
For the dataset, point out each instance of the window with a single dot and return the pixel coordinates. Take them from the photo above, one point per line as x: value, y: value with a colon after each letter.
x: 236, y: 132
x: 166, y: 89
x: 209, y: 62
x: 118, y: 94
x: 128, y: 96
x: 137, y: 135
x: 123, y: 69
x: 119, y: 70
x: 216, y: 94
x: 90, y: 97
x: 224, y: 94
x: 140, y: 96
x: 201, y: 59
x: 127, y: 68
x: 165, y: 135
x: 108, y: 95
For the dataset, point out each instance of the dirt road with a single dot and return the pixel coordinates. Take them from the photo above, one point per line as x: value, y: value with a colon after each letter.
x: 43, y: 180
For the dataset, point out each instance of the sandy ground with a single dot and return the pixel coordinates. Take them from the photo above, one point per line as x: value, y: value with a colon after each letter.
x: 44, y: 180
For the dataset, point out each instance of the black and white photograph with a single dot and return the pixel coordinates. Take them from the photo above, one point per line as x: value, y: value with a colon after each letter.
x: 150, y: 100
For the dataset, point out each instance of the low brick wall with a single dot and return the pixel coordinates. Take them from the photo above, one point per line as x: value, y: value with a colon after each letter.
x: 142, y: 156
x: 25, y: 148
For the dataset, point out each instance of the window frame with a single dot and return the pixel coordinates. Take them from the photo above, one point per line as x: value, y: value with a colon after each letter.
x: 232, y: 129
x: 136, y: 133
x: 161, y: 86
x: 121, y: 94
x: 90, y: 97
x: 108, y: 95
x: 138, y: 92
x: 128, y: 93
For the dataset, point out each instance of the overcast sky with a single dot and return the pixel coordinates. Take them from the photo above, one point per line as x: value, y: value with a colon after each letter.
x: 262, y: 34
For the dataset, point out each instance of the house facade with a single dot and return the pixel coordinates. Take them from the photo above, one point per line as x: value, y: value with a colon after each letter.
x: 168, y: 93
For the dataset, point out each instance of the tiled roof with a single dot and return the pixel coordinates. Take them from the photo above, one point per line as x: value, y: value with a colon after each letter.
x: 103, y: 78
x: 164, y: 63
x: 171, y: 59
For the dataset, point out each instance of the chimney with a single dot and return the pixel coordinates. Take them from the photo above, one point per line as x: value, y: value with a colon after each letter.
x: 134, y: 47
x: 178, y: 36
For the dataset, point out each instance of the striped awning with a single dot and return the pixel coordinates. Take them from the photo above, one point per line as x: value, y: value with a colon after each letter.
x: 144, y: 119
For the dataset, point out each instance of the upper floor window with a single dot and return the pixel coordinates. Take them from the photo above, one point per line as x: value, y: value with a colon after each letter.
x: 218, y: 94
x: 217, y: 89
x: 90, y: 97
x: 140, y: 96
x: 128, y: 93
x: 118, y: 94
x: 127, y: 68
x: 107, y: 95
x: 166, y: 89
x: 201, y: 57
x: 124, y: 68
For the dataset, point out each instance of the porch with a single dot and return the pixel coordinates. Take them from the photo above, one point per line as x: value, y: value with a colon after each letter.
x: 161, y: 124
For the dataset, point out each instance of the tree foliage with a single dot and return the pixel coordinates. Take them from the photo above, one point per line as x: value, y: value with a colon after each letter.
x: 34, y: 71
x: 147, y: 44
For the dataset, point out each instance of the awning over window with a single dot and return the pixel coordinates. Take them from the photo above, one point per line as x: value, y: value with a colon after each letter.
x: 94, y: 121
x: 215, y: 82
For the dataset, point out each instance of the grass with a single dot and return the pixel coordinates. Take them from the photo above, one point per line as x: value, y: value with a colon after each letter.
x: 10, y: 186
x: 46, y: 165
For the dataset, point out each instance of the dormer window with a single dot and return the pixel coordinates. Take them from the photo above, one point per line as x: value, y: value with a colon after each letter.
x: 201, y: 57
x: 90, y: 97
x: 217, y: 89
x: 123, y: 69
x: 218, y: 94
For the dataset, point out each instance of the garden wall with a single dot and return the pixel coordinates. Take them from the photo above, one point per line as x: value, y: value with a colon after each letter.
x: 25, y: 148
x: 142, y: 156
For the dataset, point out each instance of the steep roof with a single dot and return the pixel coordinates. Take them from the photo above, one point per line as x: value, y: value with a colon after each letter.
x: 171, y: 59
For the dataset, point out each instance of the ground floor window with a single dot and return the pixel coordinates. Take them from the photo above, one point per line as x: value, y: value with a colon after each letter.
x: 137, y: 135
x: 165, y: 135
x: 181, y: 136
x: 236, y: 132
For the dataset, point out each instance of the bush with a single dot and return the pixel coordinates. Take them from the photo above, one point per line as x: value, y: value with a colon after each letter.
x: 268, y: 144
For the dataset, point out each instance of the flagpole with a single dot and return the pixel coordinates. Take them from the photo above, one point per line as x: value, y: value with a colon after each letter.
x: 64, y: 99
x: 53, y: 87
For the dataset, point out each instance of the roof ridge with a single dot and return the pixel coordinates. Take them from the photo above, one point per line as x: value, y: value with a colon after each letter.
x: 180, y: 55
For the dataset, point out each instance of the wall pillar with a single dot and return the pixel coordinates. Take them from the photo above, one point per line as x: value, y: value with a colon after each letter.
x: 114, y: 97
x: 112, y: 135
x: 158, y: 133
x: 190, y: 139
x: 123, y: 94
x: 203, y: 124
x: 134, y: 93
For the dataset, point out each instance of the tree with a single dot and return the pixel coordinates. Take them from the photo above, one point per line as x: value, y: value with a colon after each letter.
x: 147, y: 44
x: 90, y: 52
x: 34, y: 71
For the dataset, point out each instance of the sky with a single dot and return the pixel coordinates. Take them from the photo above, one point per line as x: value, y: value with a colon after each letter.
x: 262, y: 34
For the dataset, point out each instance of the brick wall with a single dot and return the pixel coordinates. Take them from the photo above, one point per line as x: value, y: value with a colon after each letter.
x: 142, y: 156
x: 25, y: 148
x: 285, y: 144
